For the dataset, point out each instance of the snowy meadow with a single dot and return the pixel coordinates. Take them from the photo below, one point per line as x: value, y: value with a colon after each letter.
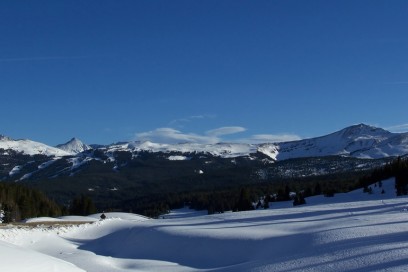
x: 348, y: 232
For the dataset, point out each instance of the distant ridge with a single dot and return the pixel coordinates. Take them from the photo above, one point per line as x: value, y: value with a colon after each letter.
x: 359, y: 141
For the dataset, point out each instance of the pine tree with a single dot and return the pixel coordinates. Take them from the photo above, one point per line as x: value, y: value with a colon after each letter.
x: 82, y: 205
x: 317, y: 189
x: 244, y: 201
x: 299, y: 199
x: 20, y: 202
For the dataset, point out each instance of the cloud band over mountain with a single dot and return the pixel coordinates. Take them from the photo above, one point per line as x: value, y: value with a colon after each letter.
x: 171, y: 136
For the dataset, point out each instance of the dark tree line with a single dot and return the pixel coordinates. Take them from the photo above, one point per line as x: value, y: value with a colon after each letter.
x: 397, y: 168
x: 244, y: 197
x: 400, y: 167
x: 250, y: 196
x: 19, y: 202
x: 215, y: 192
x: 82, y: 205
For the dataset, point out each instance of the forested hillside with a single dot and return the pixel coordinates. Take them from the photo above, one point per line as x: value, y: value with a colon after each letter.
x: 151, y: 185
x: 19, y: 202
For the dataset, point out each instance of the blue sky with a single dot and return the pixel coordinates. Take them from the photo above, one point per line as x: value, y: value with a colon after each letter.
x: 201, y: 71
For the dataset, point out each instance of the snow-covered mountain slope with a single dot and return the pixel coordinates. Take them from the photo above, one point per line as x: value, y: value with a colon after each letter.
x: 360, y: 141
x: 29, y: 147
x: 225, y: 150
x: 74, y: 146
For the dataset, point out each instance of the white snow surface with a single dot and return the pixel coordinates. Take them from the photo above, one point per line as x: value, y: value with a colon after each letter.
x: 29, y: 147
x: 178, y: 158
x: 15, y: 258
x: 347, y: 232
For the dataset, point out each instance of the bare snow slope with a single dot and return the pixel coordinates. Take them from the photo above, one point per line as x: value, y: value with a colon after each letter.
x: 349, y: 232
x: 30, y: 147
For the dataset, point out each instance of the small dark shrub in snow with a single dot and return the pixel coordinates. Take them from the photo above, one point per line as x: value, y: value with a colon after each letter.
x: 266, y: 205
x: 299, y: 200
x: 329, y: 193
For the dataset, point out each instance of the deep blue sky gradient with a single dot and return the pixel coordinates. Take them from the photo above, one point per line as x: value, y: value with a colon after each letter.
x: 104, y: 71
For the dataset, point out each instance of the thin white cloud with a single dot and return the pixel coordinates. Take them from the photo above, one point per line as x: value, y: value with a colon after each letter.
x: 398, y: 128
x: 225, y: 131
x: 172, y: 136
x: 273, y: 138
x: 203, y: 116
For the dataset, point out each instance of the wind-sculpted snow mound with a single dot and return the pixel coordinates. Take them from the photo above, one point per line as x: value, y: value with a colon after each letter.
x: 18, y: 259
x: 90, y: 218
x: 121, y: 215
x: 194, y: 251
x: 335, y: 237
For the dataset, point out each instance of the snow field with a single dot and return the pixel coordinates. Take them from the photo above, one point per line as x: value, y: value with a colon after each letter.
x: 349, y: 232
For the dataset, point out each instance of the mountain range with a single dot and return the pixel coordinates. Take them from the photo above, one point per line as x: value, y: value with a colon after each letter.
x: 358, y: 147
x: 127, y: 174
x: 359, y: 141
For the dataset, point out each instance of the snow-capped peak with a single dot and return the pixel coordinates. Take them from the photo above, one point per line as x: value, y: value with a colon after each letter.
x: 74, y: 146
x: 362, y: 141
x: 363, y: 130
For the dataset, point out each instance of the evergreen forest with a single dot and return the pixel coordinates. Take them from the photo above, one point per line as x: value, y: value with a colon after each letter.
x: 215, y: 193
